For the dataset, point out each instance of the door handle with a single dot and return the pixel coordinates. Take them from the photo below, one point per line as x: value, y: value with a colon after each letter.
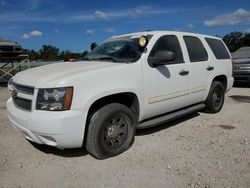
x: 183, y: 72
x: 210, y: 68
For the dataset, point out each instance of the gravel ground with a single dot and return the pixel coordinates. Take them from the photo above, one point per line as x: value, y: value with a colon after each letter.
x: 201, y: 150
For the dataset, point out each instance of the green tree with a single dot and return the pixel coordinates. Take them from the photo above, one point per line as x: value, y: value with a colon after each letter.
x: 67, y: 55
x: 33, y: 55
x: 93, y: 45
x: 84, y: 53
x: 233, y: 40
x: 246, y: 40
x: 49, y: 53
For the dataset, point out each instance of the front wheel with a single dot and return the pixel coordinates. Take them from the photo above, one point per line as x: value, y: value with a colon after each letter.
x: 215, y: 99
x: 111, y: 131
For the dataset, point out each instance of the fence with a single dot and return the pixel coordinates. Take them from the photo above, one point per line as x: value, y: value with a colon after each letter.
x: 9, y: 66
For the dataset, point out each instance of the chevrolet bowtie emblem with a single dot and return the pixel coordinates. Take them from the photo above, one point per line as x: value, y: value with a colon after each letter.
x: 14, y: 93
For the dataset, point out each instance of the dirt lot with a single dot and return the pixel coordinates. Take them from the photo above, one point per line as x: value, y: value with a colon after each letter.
x: 201, y: 150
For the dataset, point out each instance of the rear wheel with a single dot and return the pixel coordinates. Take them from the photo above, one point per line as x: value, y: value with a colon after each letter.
x: 111, y: 131
x: 215, y: 99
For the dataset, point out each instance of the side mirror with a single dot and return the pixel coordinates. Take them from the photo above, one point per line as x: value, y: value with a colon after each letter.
x: 161, y: 58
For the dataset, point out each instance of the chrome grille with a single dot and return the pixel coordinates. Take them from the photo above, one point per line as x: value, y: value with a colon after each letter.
x: 24, y: 89
x: 25, y: 100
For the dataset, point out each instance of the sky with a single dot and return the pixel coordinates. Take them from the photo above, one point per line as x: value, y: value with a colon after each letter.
x: 73, y: 25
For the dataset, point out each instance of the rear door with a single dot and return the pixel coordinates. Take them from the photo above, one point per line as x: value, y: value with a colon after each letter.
x: 199, y: 68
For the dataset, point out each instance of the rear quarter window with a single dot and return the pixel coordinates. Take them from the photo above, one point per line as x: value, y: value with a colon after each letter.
x: 218, y: 48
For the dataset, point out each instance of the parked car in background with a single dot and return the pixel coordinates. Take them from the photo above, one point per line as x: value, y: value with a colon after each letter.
x: 241, y: 65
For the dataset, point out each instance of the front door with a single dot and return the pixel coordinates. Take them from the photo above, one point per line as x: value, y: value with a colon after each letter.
x: 166, y: 86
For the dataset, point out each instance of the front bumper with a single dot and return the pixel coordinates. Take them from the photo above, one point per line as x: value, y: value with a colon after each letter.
x: 60, y: 129
x: 245, y: 78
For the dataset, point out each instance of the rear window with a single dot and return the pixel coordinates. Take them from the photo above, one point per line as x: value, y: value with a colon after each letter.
x: 196, y: 50
x: 218, y: 48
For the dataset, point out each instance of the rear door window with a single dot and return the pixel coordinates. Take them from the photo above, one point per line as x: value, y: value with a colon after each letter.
x: 195, y: 48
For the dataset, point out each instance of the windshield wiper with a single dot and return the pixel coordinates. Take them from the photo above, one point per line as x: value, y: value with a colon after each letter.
x: 105, y: 57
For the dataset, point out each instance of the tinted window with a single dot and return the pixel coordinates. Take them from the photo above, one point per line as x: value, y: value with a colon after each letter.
x: 218, y: 48
x: 196, y: 50
x: 168, y: 43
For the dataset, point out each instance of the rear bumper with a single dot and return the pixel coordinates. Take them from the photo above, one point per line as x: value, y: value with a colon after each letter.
x: 59, y: 129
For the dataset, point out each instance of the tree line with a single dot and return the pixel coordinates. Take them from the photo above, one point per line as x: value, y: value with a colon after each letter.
x: 52, y: 53
x: 233, y: 40
x: 236, y: 40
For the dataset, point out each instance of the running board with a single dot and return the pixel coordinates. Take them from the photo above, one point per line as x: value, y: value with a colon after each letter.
x: 170, y: 116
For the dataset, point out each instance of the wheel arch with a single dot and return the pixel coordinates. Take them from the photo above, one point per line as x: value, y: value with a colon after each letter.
x: 221, y: 78
x: 128, y: 99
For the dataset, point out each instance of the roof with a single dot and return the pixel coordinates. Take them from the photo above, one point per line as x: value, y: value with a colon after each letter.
x: 4, y: 42
x: 168, y: 32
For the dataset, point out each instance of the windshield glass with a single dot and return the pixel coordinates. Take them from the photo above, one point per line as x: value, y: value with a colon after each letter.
x: 121, y: 49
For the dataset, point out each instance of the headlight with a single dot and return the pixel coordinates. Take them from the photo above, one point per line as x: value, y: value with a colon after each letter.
x: 54, y: 99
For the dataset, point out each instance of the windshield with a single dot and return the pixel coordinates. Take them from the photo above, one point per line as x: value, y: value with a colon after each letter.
x: 121, y: 49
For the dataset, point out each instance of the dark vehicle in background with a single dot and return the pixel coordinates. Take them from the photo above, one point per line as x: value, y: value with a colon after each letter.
x: 241, y: 65
x: 9, y: 48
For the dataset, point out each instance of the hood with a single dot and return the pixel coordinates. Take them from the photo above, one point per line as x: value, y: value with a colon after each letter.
x: 48, y: 75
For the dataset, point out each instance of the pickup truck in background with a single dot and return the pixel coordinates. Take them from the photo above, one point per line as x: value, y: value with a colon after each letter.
x: 241, y: 65
x: 128, y: 82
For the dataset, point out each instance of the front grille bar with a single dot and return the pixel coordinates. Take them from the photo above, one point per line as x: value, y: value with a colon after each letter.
x: 24, y: 104
x: 24, y: 89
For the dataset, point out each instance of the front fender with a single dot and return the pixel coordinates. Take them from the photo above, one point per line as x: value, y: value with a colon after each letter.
x: 107, y: 93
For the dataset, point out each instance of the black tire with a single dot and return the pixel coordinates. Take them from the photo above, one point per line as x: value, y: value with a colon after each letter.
x: 215, y: 99
x: 111, y: 131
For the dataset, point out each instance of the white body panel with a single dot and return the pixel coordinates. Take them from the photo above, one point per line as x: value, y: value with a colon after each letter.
x: 159, y: 90
x: 59, y: 129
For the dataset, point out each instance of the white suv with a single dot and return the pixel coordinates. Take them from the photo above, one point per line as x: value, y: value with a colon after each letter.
x: 130, y: 81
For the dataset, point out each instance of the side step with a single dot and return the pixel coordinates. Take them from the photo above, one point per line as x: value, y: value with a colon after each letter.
x: 170, y: 116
